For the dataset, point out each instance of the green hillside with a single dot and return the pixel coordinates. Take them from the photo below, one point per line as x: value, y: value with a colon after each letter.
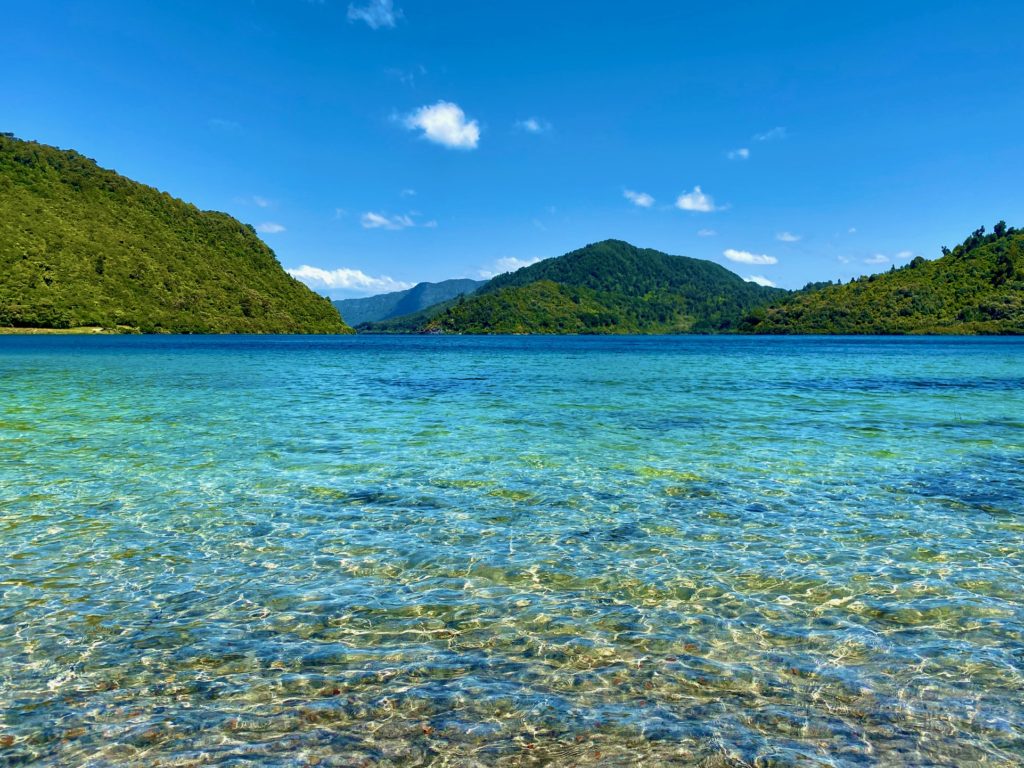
x: 399, y: 303
x: 413, y: 323
x: 549, y: 307
x: 84, y: 246
x: 607, y: 287
x: 977, y: 288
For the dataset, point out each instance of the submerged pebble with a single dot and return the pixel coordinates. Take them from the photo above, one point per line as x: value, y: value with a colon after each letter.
x: 640, y: 560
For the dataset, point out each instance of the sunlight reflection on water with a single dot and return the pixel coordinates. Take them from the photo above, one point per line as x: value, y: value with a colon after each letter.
x: 456, y: 551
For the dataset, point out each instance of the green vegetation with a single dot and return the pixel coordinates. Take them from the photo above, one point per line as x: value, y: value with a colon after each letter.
x: 388, y: 305
x: 607, y: 287
x: 82, y: 331
x: 549, y: 307
x: 413, y: 323
x: 975, y: 288
x: 83, y: 246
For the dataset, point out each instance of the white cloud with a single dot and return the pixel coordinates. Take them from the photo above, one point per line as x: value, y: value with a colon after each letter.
x: 843, y: 259
x: 695, y: 201
x: 408, y: 193
x: 878, y: 258
x: 261, y: 202
x: 905, y: 255
x: 788, y: 237
x: 445, y: 123
x: 706, y: 233
x: 772, y: 135
x: 641, y: 199
x: 376, y: 14
x: 533, y: 125
x: 852, y: 231
x: 762, y: 281
x: 346, y: 280
x: 507, y: 264
x: 270, y: 228
x: 371, y: 220
x: 746, y: 257
x: 739, y: 154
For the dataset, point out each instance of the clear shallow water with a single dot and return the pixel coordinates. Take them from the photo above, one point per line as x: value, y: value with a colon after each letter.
x: 518, y: 551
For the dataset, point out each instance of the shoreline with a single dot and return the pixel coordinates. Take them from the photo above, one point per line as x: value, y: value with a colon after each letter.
x: 85, y: 330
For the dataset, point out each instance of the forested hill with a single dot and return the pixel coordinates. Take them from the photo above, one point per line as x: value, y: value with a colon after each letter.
x: 84, y: 246
x: 608, y: 287
x: 975, y: 288
x: 387, y: 305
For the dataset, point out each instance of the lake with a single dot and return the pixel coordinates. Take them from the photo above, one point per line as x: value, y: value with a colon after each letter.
x: 709, y: 551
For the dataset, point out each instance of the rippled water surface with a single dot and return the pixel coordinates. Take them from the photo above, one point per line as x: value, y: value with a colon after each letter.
x: 511, y: 551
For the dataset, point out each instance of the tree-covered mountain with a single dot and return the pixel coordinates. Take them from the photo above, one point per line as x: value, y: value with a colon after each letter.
x: 387, y: 305
x: 84, y: 246
x: 975, y: 288
x: 414, y: 323
x: 607, y: 287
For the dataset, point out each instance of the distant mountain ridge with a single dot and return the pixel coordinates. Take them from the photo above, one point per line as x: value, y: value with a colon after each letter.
x: 81, y: 246
x: 606, y: 287
x: 84, y: 246
x: 388, y: 305
x: 976, y: 288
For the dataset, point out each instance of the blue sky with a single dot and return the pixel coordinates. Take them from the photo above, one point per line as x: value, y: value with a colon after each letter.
x: 379, y: 144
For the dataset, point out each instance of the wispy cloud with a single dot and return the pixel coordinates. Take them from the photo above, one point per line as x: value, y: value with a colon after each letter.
x: 408, y: 193
x: 270, y: 228
x: 762, y: 281
x: 406, y: 76
x: 746, y: 257
x: 376, y: 14
x: 445, y: 123
x: 696, y: 201
x: 220, y: 124
x: 507, y: 264
x: 706, y: 233
x: 533, y: 125
x: 788, y: 237
x: 641, y: 199
x: 346, y: 280
x: 773, y: 135
x: 738, y: 154
x: 880, y: 258
x: 371, y: 220
x: 261, y: 202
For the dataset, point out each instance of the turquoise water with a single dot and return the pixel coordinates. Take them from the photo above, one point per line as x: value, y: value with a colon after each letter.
x: 511, y: 551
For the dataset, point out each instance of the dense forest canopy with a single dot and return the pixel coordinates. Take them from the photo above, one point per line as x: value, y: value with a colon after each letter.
x: 606, y: 287
x: 975, y: 288
x: 84, y: 246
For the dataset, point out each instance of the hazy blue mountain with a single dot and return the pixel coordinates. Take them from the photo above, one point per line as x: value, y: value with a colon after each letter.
x: 387, y: 305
